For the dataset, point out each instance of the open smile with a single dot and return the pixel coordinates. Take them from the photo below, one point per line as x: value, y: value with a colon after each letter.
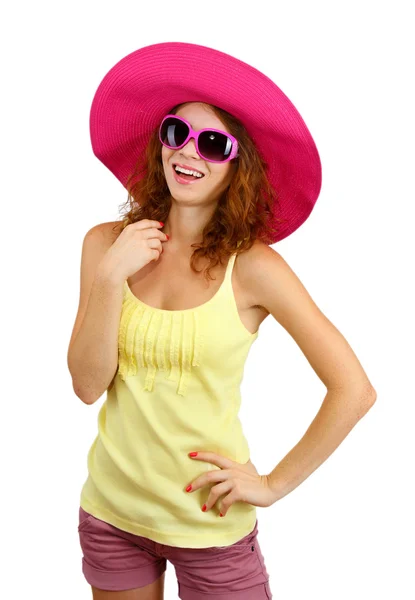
x: 185, y: 179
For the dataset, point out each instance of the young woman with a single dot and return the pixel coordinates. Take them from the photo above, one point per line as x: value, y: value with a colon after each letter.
x: 218, y: 165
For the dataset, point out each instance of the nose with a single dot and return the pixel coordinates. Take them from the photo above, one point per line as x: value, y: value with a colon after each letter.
x: 189, y: 149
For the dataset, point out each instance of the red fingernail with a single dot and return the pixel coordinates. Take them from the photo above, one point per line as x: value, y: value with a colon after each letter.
x: 192, y: 453
x: 167, y: 236
x: 161, y: 223
x: 204, y: 507
x: 189, y: 487
x: 220, y: 514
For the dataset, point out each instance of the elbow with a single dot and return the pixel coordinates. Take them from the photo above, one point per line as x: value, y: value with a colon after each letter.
x: 365, y: 394
x: 367, y: 398
x: 87, y: 400
x: 89, y: 394
x: 358, y: 399
x: 85, y: 396
x: 370, y: 395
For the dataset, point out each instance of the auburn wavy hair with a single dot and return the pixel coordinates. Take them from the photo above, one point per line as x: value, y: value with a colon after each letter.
x: 243, y: 213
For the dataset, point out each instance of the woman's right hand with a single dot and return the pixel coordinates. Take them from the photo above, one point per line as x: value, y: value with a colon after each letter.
x: 138, y: 244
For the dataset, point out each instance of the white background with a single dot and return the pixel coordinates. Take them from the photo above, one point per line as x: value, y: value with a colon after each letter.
x: 347, y: 531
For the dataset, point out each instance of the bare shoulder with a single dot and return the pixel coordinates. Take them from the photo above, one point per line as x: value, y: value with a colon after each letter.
x: 106, y: 233
x: 274, y: 285
x: 248, y: 266
x: 269, y: 280
x: 256, y: 253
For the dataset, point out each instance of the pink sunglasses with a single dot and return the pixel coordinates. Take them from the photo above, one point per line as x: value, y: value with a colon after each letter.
x: 213, y: 145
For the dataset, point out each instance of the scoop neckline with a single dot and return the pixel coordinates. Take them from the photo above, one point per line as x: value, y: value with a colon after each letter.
x: 183, y: 310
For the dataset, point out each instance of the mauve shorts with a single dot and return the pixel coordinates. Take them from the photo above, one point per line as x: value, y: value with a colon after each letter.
x: 116, y: 560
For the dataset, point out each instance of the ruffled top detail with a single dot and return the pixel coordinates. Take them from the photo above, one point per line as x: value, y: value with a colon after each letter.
x: 152, y: 339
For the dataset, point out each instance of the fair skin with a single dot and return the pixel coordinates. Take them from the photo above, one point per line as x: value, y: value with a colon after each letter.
x: 268, y: 282
x: 152, y: 591
x: 349, y: 395
x: 192, y: 205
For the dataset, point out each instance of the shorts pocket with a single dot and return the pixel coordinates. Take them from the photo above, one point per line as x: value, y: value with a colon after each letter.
x: 84, y: 518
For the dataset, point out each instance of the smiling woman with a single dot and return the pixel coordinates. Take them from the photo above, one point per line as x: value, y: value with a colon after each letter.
x: 237, y: 187
x: 173, y: 375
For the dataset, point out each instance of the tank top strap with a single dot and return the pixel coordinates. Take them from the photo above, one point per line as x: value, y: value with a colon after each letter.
x: 229, y: 270
x: 224, y: 307
x: 226, y: 289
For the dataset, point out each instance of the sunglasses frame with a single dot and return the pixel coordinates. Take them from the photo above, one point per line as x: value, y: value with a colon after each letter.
x: 195, y: 135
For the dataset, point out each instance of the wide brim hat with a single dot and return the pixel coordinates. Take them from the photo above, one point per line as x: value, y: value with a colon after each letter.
x: 139, y: 90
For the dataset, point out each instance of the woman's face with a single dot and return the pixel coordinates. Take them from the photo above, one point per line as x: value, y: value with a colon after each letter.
x: 216, y: 176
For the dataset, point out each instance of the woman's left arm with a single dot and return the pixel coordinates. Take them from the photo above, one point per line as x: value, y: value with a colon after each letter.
x: 339, y: 413
x: 273, y: 285
x: 350, y: 394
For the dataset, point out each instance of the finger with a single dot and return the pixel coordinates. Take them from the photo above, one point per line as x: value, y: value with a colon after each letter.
x: 228, y: 501
x: 146, y: 223
x: 209, y: 477
x: 217, y: 491
x: 217, y: 459
x: 154, y: 233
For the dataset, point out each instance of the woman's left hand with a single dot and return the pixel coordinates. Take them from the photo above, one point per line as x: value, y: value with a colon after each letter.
x: 240, y: 481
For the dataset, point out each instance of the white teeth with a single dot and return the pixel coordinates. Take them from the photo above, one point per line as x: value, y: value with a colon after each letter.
x: 181, y: 170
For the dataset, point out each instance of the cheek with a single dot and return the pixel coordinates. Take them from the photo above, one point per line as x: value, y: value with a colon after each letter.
x: 221, y: 173
x: 166, y: 154
x: 165, y: 159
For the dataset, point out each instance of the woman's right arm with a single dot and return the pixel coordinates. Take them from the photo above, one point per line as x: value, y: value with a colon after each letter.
x: 108, y: 259
x: 93, y: 348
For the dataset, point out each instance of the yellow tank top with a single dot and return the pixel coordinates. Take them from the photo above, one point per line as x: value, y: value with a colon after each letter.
x: 176, y: 390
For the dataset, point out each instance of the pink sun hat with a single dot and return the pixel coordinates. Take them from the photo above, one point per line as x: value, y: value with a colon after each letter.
x: 140, y: 89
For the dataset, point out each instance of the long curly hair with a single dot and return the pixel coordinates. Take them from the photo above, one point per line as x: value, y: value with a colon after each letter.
x: 242, y: 215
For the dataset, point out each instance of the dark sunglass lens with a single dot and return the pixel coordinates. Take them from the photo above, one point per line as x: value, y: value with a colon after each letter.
x: 214, y: 145
x: 173, y: 132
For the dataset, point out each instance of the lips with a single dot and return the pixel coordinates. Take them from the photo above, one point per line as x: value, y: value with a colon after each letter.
x: 187, y: 167
x: 185, y: 181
